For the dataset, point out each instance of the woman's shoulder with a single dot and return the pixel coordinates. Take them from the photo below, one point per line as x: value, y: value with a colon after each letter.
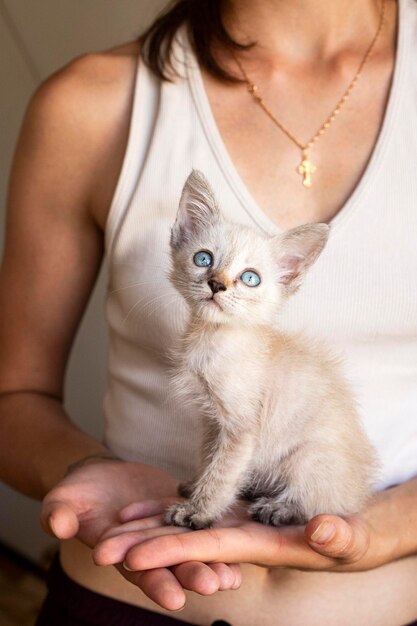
x: 106, y: 68
x: 89, y: 86
x: 91, y: 73
x: 84, y: 109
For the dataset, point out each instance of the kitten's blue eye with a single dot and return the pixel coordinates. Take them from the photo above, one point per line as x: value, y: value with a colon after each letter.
x: 251, y: 279
x: 203, y: 258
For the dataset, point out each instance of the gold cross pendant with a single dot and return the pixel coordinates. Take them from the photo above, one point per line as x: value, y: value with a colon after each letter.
x: 306, y: 169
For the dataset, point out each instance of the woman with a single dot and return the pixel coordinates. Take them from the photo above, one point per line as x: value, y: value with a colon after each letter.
x: 105, y: 149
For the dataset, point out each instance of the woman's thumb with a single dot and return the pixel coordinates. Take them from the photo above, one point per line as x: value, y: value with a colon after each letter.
x: 338, y: 538
x: 59, y: 520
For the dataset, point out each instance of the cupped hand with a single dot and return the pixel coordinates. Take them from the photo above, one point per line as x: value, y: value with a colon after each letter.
x: 86, y: 503
x: 327, y: 542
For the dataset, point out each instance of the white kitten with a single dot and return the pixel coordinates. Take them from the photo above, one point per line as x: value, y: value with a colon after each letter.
x: 281, y: 427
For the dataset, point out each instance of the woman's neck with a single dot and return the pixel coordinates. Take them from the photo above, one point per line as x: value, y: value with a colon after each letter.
x: 302, y: 28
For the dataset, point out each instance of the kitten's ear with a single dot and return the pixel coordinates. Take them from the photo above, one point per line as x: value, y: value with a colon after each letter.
x: 296, y: 250
x: 197, y: 210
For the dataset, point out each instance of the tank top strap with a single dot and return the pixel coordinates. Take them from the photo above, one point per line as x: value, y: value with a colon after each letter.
x: 144, y: 109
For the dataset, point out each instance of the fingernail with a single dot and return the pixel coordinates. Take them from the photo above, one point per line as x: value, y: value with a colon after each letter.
x: 323, y: 533
x: 127, y: 568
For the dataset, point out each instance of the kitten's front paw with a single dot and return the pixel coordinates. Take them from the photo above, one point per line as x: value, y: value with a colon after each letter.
x: 275, y: 513
x: 186, y: 514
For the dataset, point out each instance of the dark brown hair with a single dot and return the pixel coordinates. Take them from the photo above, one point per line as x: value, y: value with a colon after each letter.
x: 203, y: 21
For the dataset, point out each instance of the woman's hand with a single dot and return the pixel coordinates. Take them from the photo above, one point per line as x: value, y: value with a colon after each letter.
x: 327, y: 542
x: 86, y: 503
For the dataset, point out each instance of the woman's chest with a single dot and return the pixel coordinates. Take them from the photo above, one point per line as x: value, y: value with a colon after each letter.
x: 270, y: 164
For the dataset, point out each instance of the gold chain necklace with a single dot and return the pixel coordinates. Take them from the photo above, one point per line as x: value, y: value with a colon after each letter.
x: 306, y: 167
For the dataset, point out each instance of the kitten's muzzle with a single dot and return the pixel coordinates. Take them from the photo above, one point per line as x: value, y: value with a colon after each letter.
x: 216, y: 286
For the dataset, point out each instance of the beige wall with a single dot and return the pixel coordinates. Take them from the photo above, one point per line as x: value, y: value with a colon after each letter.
x: 36, y: 38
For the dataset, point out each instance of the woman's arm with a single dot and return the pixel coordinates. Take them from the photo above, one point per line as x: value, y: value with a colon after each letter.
x: 53, y: 252
x: 65, y: 170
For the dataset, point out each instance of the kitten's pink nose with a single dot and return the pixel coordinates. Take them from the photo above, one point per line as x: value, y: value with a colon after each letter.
x: 216, y: 286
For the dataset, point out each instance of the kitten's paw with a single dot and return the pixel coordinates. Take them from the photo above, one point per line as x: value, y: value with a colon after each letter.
x: 186, y: 489
x: 275, y: 513
x: 249, y: 494
x: 186, y: 514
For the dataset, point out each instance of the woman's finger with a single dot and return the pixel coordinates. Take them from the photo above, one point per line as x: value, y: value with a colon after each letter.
x: 206, y: 579
x: 113, y: 550
x: 197, y: 577
x: 224, y: 545
x: 136, y: 525
x: 160, y: 585
x: 230, y: 575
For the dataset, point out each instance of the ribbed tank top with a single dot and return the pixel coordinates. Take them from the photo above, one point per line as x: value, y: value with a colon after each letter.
x: 360, y: 296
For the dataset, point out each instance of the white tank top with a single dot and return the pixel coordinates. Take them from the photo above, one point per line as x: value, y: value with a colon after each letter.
x: 361, y: 295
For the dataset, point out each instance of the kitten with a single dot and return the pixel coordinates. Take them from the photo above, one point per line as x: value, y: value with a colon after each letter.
x: 280, y: 424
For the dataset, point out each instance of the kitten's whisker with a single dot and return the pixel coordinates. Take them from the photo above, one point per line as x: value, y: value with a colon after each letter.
x: 172, y: 297
x: 130, y: 286
x: 152, y: 300
x: 134, y: 307
x: 138, y: 265
x: 164, y: 306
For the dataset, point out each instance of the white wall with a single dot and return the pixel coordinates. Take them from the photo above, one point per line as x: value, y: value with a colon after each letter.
x: 36, y: 38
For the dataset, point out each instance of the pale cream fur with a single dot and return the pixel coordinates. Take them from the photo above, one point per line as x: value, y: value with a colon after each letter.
x: 280, y: 423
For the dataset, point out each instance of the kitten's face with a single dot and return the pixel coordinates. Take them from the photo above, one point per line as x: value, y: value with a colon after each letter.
x: 230, y: 273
